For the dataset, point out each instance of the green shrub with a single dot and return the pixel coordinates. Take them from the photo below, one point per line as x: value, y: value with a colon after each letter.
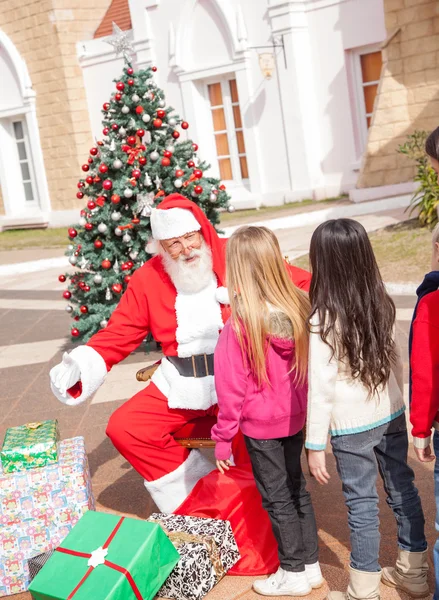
x: 426, y: 198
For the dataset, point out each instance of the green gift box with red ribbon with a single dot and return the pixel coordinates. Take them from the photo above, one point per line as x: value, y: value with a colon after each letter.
x: 107, y: 557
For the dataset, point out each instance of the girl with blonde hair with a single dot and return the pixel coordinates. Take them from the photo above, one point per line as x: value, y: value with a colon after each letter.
x: 261, y: 382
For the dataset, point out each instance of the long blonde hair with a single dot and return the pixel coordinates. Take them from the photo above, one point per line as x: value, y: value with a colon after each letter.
x: 256, y: 278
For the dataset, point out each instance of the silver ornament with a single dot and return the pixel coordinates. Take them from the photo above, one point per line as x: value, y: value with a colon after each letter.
x: 97, y: 279
x: 125, y: 109
x: 122, y: 131
x: 102, y: 228
x: 103, y: 323
x: 231, y: 208
x: 108, y: 295
x: 162, y: 104
x: 213, y: 197
x: 178, y: 183
x: 112, y: 145
x: 82, y: 221
x: 70, y: 247
x: 135, y: 98
x: 146, y: 118
x: 68, y: 308
x: 73, y: 260
x: 128, y: 193
x: 154, y: 156
x: 194, y: 194
x: 115, y: 216
x: 118, y: 231
x: 170, y: 148
x: 127, y: 238
x: 117, y: 164
x: 172, y: 121
x: 134, y: 255
x: 116, y: 267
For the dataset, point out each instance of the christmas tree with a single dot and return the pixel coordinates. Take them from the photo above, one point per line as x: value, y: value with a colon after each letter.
x: 139, y: 161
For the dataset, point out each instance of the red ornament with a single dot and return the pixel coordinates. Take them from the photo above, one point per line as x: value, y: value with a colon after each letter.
x: 72, y: 232
x: 80, y: 184
x: 175, y: 135
x: 85, y: 168
x: 195, y: 147
x: 157, y: 123
x: 130, y: 82
x: 166, y: 162
x: 90, y: 160
x: 142, y: 147
x: 74, y: 332
x: 67, y: 295
x: 136, y: 173
x: 222, y: 187
x: 106, y: 131
x: 139, y: 110
x: 167, y: 153
x: 118, y: 97
x: 100, y: 143
x: 93, y: 151
x: 142, y: 161
x: 140, y: 133
x: 154, y: 69
x: 107, y: 184
x: 80, y: 195
x: 184, y: 125
x: 83, y: 213
x: 124, y: 267
x: 161, y: 113
x: 198, y: 174
x: 179, y: 173
x: 103, y: 168
x: 190, y: 164
x: 88, y: 226
x: 131, y: 140
x: 91, y: 204
x: 125, y: 148
x: 120, y: 86
x: 97, y: 179
x: 86, y: 288
x: 98, y: 244
x: 115, y: 199
x: 115, y: 127
x: 130, y: 264
x: 76, y: 318
x: 117, y: 288
x: 100, y: 201
x: 198, y: 189
x: 84, y: 309
x: 105, y: 264
x: 61, y: 278
x: 136, y: 221
x: 130, y: 70
x: 106, y: 105
x: 89, y: 179
x: 127, y: 278
x: 81, y: 285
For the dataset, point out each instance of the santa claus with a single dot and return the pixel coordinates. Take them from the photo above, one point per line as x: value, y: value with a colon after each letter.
x: 178, y: 297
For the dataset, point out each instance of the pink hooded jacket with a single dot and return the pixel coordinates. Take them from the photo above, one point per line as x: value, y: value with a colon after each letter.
x: 274, y: 410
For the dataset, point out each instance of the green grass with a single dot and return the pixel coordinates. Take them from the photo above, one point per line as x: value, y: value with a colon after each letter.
x: 22, y: 239
x: 403, y: 252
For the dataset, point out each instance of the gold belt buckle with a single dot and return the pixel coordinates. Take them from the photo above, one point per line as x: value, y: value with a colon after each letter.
x: 193, y: 365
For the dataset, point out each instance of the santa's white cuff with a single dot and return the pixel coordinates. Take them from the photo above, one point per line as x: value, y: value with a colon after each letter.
x: 93, y: 372
x: 421, y: 442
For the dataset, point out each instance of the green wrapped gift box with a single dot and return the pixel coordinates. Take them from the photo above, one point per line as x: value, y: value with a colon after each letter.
x: 29, y: 446
x: 107, y: 557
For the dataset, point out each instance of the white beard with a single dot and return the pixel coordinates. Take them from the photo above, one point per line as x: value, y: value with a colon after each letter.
x: 188, y: 277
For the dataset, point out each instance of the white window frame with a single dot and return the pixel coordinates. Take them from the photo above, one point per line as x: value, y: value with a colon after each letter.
x: 32, y: 180
x: 227, y: 106
x: 360, y: 105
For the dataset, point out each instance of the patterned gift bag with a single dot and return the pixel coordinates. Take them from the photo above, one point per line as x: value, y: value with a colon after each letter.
x: 207, y: 550
x: 29, y: 446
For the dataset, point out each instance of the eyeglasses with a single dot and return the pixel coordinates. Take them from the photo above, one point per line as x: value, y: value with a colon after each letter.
x: 178, y: 245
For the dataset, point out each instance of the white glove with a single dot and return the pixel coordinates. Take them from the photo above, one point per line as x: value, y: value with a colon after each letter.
x: 65, y: 375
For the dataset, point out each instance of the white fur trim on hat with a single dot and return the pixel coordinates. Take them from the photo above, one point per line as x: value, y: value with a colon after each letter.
x: 172, y: 222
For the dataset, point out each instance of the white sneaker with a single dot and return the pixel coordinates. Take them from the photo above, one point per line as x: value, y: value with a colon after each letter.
x: 314, y: 575
x: 283, y: 583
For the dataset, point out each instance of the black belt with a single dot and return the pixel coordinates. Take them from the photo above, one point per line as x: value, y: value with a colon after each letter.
x: 199, y: 365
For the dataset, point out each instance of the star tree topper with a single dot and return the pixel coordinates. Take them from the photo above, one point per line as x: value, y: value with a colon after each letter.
x: 120, y: 42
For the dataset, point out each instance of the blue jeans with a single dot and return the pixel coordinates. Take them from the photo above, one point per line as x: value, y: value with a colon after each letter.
x: 436, y: 493
x: 360, y: 457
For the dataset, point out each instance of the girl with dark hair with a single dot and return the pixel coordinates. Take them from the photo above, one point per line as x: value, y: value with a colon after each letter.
x: 432, y: 149
x: 356, y: 392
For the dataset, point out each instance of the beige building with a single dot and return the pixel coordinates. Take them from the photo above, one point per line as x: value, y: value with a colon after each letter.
x: 408, y: 95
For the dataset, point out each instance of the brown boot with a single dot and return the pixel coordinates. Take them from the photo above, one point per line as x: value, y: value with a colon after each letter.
x: 362, y: 586
x: 409, y: 574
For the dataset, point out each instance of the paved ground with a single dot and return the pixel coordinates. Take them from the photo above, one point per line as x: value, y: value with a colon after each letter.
x: 33, y: 327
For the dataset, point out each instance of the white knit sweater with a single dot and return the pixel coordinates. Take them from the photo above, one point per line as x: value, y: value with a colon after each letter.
x: 339, y: 404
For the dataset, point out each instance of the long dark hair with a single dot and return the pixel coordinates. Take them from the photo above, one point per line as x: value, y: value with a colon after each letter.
x: 432, y: 144
x: 356, y: 314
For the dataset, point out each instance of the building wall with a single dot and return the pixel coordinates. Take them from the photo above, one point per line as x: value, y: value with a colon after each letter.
x: 45, y: 33
x: 409, y: 90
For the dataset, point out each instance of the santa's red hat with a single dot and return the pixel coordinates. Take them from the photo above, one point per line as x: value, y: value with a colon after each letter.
x: 175, y: 216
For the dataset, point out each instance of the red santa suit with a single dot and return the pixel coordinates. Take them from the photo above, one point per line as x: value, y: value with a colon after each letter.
x: 186, y: 325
